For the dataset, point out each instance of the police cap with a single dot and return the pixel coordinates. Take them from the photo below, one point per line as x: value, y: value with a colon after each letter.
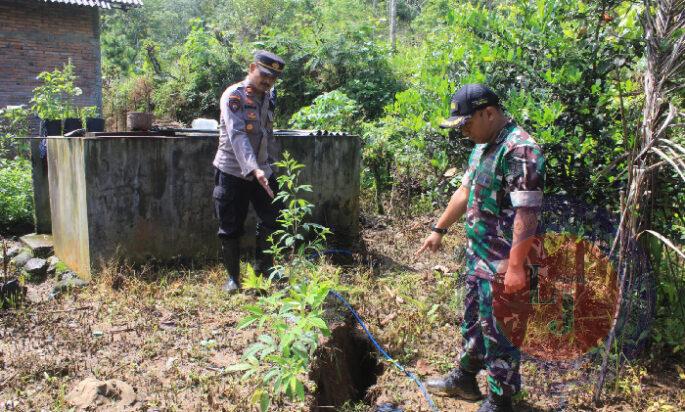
x: 269, y: 63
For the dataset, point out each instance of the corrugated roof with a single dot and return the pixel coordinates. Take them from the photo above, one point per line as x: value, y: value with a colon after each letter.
x: 103, y: 4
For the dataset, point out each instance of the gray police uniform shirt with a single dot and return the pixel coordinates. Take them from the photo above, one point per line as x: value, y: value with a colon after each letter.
x: 246, y: 139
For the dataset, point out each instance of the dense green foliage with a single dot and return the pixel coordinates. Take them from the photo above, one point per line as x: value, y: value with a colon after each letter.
x: 16, y: 186
x: 328, y: 45
x: 566, y: 70
x: 569, y: 71
x: 333, y: 111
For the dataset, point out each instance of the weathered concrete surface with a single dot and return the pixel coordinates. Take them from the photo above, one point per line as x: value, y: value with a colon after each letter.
x: 40, y: 245
x: 151, y: 197
x: 41, y: 190
x: 68, y: 203
x: 332, y: 167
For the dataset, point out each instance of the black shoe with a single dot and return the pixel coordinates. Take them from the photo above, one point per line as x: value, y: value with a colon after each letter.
x: 457, y: 383
x: 496, y: 403
x: 230, y: 254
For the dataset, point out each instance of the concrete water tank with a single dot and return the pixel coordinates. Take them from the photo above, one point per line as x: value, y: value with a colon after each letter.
x: 137, y: 196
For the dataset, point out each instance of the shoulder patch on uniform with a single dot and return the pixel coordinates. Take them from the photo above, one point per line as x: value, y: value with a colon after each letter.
x: 234, y: 104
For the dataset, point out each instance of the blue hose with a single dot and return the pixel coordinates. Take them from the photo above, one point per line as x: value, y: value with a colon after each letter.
x: 401, y: 368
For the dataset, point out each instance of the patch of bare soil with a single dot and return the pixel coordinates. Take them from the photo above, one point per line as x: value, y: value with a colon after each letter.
x: 167, y: 338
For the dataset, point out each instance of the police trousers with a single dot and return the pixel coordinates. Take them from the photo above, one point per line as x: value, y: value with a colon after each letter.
x: 232, y: 196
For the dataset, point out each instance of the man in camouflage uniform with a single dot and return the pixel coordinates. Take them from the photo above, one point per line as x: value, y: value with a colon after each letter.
x: 243, y: 164
x: 501, y: 195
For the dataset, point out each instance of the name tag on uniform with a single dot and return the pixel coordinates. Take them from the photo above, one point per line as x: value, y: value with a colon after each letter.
x: 483, y: 179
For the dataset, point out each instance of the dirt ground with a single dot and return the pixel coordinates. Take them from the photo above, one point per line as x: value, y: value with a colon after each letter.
x: 169, y: 334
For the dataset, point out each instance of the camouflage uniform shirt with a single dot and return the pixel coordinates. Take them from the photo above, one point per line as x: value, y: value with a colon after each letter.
x: 501, y: 176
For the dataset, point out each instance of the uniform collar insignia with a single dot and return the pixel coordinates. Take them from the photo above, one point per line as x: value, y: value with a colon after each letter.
x: 505, y: 132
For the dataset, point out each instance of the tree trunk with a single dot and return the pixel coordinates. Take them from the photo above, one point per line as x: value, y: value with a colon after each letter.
x: 393, y: 24
x: 663, y: 21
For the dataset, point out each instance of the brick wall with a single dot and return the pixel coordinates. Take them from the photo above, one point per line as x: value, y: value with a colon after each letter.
x: 37, y: 36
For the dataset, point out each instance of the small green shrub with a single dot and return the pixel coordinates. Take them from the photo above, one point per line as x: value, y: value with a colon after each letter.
x: 54, y: 98
x: 16, y: 188
x: 61, y: 267
x: 330, y: 111
x: 14, y: 121
x: 291, y: 320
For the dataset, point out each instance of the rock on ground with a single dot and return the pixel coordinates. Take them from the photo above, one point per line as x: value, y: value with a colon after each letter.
x: 91, y: 393
x: 13, y: 251
x: 52, y: 264
x: 40, y: 245
x: 21, y: 259
x: 68, y: 281
x: 36, y: 267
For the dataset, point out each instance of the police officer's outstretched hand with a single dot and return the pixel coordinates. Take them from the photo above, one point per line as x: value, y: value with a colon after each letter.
x: 432, y: 243
x: 263, y: 181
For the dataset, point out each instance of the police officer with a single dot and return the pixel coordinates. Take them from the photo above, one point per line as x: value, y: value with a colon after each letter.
x: 243, y: 164
x: 501, y: 195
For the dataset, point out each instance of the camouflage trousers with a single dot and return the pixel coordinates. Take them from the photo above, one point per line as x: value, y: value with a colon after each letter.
x: 492, y: 333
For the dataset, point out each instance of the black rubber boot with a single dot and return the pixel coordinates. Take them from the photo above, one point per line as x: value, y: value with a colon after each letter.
x: 230, y: 253
x: 263, y: 261
x: 496, y: 403
x: 457, y: 383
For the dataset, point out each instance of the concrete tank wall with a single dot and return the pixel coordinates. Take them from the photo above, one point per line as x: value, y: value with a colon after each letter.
x: 41, y: 192
x: 151, y: 197
x: 332, y: 167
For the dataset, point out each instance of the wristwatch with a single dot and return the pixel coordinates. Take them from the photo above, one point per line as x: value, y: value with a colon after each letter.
x: 438, y: 230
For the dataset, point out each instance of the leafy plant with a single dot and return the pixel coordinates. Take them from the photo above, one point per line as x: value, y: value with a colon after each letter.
x: 16, y: 185
x: 14, y: 121
x: 331, y: 111
x: 16, y: 189
x: 296, y: 238
x: 86, y: 113
x: 53, y: 99
x: 291, y: 319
